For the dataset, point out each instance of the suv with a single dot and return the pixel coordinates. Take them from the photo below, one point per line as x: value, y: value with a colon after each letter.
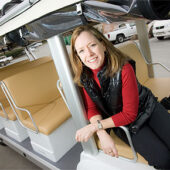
x: 161, y: 29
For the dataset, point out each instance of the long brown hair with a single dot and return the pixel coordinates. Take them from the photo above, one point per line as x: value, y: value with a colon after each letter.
x: 115, y: 59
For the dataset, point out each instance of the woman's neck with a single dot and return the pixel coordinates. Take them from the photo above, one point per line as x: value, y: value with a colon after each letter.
x: 95, y: 71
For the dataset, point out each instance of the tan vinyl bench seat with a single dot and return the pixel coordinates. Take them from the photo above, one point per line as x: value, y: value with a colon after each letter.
x: 9, y: 111
x: 12, y: 70
x: 35, y: 90
x: 57, y: 114
x: 159, y: 86
x: 123, y: 149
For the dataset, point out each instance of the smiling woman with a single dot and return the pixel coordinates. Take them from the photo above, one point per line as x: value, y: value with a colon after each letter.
x: 113, y: 97
x: 91, y: 50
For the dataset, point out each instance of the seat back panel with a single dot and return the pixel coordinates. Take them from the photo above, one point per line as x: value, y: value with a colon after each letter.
x: 131, y: 49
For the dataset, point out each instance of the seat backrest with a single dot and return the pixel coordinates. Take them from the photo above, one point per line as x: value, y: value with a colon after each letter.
x: 131, y: 49
x: 35, y: 87
x: 19, y: 67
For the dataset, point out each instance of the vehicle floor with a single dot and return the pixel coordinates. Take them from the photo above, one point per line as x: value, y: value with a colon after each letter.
x: 12, y: 160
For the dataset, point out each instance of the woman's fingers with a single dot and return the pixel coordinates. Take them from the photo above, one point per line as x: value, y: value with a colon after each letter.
x: 111, y: 151
x: 83, y: 134
x: 78, y: 136
x: 115, y: 152
x: 82, y: 137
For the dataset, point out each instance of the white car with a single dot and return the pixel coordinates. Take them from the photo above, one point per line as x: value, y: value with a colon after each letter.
x: 161, y: 29
x: 5, y: 60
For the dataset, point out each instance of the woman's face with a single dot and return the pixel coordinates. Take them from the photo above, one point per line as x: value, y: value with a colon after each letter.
x: 90, y: 50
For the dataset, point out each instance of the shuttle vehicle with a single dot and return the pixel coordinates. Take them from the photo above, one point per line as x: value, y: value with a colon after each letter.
x: 41, y: 107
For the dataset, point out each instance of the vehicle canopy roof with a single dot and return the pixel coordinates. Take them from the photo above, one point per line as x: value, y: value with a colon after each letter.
x: 42, y: 19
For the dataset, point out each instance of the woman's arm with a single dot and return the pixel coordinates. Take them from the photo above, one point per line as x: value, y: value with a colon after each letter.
x: 126, y: 116
x: 130, y: 99
x: 106, y: 141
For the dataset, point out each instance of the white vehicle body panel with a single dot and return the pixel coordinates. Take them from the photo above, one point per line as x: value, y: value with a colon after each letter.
x: 102, y: 161
x: 161, y: 28
x: 127, y: 30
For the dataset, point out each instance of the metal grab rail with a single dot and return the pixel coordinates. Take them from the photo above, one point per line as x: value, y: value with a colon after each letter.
x: 13, y: 104
x: 29, y: 54
x: 3, y: 109
x: 135, y: 157
x: 125, y: 129
x: 59, y: 87
x: 13, y: 2
x: 151, y: 63
x: 17, y: 10
x: 6, y: 115
x: 166, y: 68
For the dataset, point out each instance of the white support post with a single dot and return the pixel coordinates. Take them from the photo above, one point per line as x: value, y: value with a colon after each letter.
x: 144, y: 44
x: 72, y: 94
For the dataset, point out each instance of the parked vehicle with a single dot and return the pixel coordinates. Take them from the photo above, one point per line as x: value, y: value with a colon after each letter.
x: 123, y: 32
x: 161, y: 29
x: 5, y: 60
x: 35, y: 45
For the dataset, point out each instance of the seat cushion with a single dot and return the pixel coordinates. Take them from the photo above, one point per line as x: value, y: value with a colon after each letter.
x: 159, y: 86
x: 50, y: 117
x: 123, y: 149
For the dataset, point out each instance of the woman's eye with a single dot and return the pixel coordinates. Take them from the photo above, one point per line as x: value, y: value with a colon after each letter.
x: 81, y: 51
x: 92, y: 45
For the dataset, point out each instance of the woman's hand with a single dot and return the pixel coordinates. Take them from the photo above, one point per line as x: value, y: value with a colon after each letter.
x: 107, y: 143
x: 83, y: 134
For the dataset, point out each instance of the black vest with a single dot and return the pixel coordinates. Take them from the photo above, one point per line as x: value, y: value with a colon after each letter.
x: 109, y: 98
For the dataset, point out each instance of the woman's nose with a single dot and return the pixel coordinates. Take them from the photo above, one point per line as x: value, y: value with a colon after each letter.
x: 89, y: 52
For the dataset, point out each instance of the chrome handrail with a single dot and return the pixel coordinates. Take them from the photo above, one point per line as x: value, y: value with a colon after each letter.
x: 125, y: 129
x: 3, y: 109
x: 151, y: 63
x: 17, y: 10
x: 59, y: 87
x: 135, y: 157
x: 29, y: 54
x: 6, y: 115
x: 13, y: 104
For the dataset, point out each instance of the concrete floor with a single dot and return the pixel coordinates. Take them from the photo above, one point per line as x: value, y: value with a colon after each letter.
x: 160, y: 51
x: 11, y: 160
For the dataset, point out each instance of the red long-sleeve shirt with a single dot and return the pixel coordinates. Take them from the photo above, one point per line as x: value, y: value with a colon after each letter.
x: 129, y: 95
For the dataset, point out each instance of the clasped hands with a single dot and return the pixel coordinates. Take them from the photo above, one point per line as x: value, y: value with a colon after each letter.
x: 107, y: 143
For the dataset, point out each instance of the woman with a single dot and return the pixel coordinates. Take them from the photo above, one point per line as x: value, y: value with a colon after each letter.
x: 113, y: 97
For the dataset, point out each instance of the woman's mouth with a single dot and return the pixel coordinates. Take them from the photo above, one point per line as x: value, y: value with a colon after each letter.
x: 92, y: 60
